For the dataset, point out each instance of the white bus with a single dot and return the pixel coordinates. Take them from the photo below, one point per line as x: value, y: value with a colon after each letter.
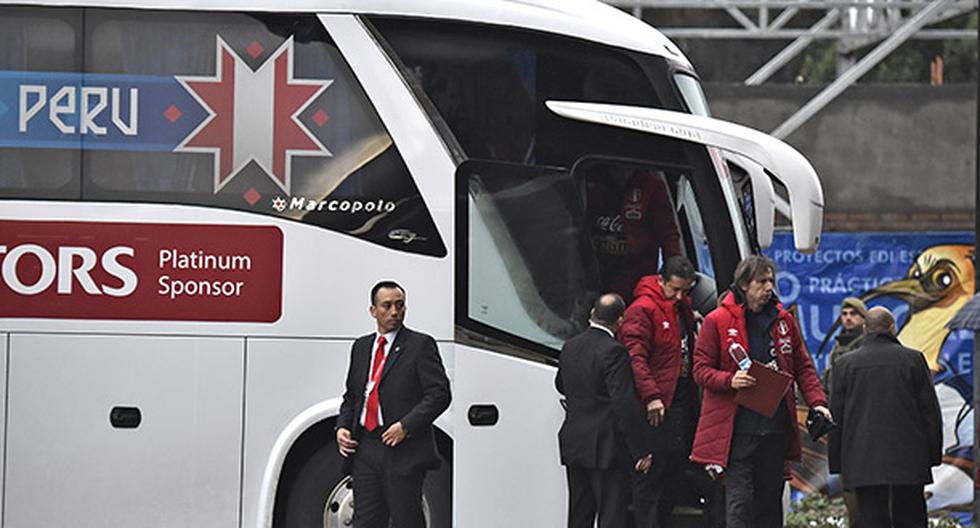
x: 196, y: 197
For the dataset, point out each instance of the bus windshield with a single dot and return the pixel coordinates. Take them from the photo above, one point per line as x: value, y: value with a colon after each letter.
x: 488, y: 85
x: 555, y: 211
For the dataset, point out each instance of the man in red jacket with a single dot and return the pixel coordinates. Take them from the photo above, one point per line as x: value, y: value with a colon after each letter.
x: 632, y: 223
x: 658, y: 331
x: 751, y: 448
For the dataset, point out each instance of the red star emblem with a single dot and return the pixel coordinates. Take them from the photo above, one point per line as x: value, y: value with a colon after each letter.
x: 253, y: 116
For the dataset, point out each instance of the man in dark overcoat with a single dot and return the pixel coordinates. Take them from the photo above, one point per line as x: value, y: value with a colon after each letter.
x: 604, y: 435
x: 890, y: 427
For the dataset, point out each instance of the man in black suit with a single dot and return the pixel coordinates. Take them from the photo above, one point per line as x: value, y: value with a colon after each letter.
x: 604, y: 434
x: 890, y: 429
x: 396, y: 388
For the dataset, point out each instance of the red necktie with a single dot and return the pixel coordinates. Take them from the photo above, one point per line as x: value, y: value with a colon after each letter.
x: 371, y: 417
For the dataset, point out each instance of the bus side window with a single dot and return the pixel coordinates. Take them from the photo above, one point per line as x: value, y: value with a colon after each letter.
x: 529, y: 268
x: 254, y: 112
x: 35, y: 40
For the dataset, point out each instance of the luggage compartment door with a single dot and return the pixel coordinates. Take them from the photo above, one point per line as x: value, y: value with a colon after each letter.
x: 133, y: 431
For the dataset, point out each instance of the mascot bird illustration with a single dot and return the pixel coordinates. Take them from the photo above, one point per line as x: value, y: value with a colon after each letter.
x: 937, y: 285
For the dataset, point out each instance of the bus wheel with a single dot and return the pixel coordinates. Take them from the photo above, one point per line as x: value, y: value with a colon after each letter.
x: 338, y: 512
x: 315, y: 493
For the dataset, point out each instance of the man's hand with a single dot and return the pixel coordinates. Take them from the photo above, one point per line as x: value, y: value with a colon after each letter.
x: 742, y: 380
x: 824, y: 411
x: 346, y: 444
x: 655, y: 412
x: 393, y: 435
x: 643, y: 465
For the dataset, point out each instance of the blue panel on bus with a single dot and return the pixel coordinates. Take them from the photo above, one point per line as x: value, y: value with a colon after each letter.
x: 95, y: 111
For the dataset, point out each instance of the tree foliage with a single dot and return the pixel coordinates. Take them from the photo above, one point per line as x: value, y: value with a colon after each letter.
x: 910, y: 63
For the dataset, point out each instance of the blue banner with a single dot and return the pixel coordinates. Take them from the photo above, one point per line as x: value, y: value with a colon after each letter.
x: 95, y: 111
x: 879, y: 267
x: 924, y: 278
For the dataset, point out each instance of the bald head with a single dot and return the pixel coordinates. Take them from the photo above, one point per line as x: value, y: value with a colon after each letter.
x: 608, y: 309
x: 879, y: 320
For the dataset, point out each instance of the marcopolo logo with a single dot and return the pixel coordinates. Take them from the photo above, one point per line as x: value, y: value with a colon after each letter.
x: 89, y: 270
x: 338, y: 205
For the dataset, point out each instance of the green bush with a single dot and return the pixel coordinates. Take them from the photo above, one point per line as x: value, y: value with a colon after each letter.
x: 818, y: 511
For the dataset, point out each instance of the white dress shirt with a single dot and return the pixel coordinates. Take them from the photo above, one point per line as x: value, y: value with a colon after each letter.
x: 389, y: 340
x: 603, y: 328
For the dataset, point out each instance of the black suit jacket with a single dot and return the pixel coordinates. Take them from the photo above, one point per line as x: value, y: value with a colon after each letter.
x: 414, y: 390
x: 890, y: 425
x: 605, y: 424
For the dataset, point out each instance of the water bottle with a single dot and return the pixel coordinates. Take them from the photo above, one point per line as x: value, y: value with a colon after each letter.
x: 740, y: 356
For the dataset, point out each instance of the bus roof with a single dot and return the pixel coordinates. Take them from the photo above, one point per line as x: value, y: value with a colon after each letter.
x: 584, y: 19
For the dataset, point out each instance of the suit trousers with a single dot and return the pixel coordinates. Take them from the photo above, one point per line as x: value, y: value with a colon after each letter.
x: 655, y: 492
x: 381, y: 494
x: 754, y: 481
x: 604, y: 492
x: 892, y: 506
x: 853, y: 512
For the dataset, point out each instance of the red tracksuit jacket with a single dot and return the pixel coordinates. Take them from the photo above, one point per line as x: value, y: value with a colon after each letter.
x: 714, y: 368
x: 652, y: 335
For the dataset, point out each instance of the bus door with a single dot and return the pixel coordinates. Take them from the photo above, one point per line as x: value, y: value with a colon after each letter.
x: 526, y: 274
x: 536, y: 245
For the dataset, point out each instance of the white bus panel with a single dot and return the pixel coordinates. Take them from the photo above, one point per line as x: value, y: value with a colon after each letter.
x: 515, y: 460
x: 178, y: 466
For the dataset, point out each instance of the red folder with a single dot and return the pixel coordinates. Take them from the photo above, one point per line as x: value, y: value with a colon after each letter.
x: 770, y: 388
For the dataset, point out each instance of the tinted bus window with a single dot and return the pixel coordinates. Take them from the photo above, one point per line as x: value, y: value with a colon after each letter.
x: 258, y: 113
x: 36, y: 41
x: 489, y: 85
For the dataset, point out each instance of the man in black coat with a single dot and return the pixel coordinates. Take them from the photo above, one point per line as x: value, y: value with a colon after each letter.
x: 890, y: 427
x: 604, y: 434
x: 396, y: 388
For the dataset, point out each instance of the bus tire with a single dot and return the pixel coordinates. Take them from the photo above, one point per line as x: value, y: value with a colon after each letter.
x: 314, y: 493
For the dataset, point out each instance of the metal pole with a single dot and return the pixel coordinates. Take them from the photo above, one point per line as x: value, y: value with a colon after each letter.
x: 741, y: 18
x: 783, y: 17
x: 791, y: 51
x: 778, y: 4
x: 792, y: 33
x: 851, y: 76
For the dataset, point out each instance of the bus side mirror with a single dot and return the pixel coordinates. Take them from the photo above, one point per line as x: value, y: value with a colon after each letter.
x: 764, y: 200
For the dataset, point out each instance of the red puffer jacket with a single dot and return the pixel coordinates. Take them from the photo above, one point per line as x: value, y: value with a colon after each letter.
x: 714, y: 368
x: 652, y: 335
